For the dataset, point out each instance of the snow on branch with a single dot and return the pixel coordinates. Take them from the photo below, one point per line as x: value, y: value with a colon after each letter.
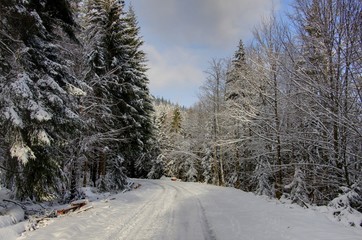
x: 11, y: 115
x: 73, y: 90
x: 41, y: 137
x: 348, y: 205
x: 38, y: 112
x: 22, y: 152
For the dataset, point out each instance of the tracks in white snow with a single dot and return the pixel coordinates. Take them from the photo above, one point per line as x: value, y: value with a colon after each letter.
x: 146, y: 221
x: 165, y: 210
x: 194, y: 214
x: 171, y: 212
x: 160, y: 210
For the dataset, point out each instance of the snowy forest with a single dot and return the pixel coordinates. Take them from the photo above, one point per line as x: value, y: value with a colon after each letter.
x: 282, y: 117
x: 75, y: 105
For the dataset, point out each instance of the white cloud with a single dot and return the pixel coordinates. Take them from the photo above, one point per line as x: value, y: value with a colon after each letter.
x: 175, y: 71
x: 183, y: 35
x: 212, y: 22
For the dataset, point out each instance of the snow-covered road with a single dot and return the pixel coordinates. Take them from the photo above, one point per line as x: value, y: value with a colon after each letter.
x: 162, y: 209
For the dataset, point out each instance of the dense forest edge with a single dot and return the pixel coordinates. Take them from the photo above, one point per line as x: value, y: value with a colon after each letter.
x: 281, y: 118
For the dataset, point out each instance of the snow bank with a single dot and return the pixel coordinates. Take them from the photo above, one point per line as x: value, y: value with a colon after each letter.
x: 12, y: 232
x: 13, y: 214
x: 344, y: 207
x: 11, y: 218
x: 93, y: 194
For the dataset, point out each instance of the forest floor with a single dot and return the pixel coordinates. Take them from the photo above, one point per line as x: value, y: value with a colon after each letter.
x: 165, y: 209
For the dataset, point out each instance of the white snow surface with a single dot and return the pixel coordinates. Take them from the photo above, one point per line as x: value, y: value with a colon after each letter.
x: 163, y: 209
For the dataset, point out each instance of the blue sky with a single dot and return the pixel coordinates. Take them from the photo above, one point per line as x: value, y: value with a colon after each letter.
x: 182, y: 36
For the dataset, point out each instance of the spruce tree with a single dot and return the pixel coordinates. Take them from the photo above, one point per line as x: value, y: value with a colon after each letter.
x: 241, y: 105
x: 176, y: 121
x: 104, y: 53
x: 235, y: 86
x: 142, y: 132
x: 117, y: 75
x: 298, y: 192
x: 38, y: 94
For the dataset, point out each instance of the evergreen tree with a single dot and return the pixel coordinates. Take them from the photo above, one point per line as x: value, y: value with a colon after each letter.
x: 297, y: 188
x: 262, y: 175
x: 38, y: 95
x: 235, y: 83
x: 142, y: 132
x: 157, y: 169
x: 207, y: 164
x: 240, y: 104
x: 104, y: 53
x: 176, y: 121
x: 190, y: 170
x: 117, y: 75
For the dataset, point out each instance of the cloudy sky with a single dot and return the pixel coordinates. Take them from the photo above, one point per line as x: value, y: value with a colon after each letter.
x: 182, y: 36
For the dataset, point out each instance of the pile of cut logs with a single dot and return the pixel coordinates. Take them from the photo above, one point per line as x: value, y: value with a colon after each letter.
x: 76, y: 206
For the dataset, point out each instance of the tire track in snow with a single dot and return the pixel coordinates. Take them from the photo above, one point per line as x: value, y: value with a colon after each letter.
x: 172, y: 213
x: 150, y: 221
x: 169, y: 211
x: 128, y: 227
x: 206, y: 228
x: 165, y: 211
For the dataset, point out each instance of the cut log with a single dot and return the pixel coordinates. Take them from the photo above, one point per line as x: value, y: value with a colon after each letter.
x: 84, y: 208
x: 66, y: 210
x: 76, y: 205
x: 80, y: 203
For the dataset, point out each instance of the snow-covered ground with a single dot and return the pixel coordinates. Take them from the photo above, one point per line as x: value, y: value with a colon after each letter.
x: 11, y: 217
x: 163, y: 209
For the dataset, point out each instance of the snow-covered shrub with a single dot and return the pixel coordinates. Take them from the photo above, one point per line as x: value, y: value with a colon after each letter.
x: 191, y: 174
x: 233, y: 179
x: 116, y: 178
x: 206, y: 163
x: 348, y: 205
x: 296, y: 190
x: 103, y: 183
x: 261, y: 177
x: 156, y: 171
